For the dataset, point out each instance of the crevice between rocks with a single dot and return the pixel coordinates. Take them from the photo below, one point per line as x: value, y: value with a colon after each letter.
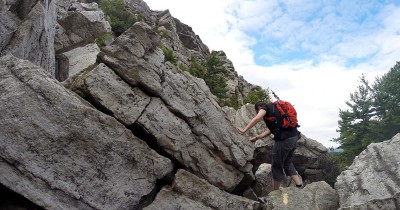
x: 12, y: 200
x: 19, y: 168
x: 141, y: 132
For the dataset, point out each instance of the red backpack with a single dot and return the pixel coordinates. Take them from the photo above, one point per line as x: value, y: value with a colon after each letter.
x: 287, y: 113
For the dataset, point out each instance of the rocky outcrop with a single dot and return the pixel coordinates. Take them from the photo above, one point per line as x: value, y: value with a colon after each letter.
x: 237, y: 87
x: 188, y: 46
x: 262, y: 185
x: 157, y: 100
x: 317, y: 195
x: 128, y: 130
x: 142, y: 11
x: 75, y: 61
x: 78, y: 24
x: 191, y: 192
x: 27, y: 31
x: 372, y: 181
x: 61, y: 153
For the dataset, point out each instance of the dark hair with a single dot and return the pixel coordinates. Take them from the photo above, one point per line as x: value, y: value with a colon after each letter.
x: 258, y: 104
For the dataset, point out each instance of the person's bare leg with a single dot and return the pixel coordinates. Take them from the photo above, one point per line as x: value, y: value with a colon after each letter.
x: 296, y: 179
x: 277, y: 184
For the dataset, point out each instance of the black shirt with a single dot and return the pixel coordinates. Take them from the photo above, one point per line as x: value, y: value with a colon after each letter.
x: 275, y: 126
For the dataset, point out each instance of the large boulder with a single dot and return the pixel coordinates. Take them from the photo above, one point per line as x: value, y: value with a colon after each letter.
x: 27, y: 31
x: 78, y: 25
x: 181, y: 119
x: 9, y: 23
x: 61, y: 153
x: 140, y: 9
x: 315, y: 196
x: 191, y: 192
x: 372, y: 181
x: 73, y: 62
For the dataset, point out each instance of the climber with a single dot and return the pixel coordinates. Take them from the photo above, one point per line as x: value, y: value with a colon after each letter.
x: 284, y: 146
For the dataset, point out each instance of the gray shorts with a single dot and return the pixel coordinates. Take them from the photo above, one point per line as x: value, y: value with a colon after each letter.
x: 282, y: 157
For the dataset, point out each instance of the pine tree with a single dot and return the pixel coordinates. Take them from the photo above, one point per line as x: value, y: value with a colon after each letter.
x: 355, y: 122
x: 387, y: 102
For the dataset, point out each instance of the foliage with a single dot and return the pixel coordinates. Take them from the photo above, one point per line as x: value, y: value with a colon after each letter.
x: 211, y: 71
x: 118, y: 17
x: 331, y: 167
x: 354, y: 123
x: 231, y: 102
x: 163, y: 32
x: 90, y: 1
x: 373, y: 114
x: 257, y: 94
x: 183, y: 67
x: 387, y: 102
x: 102, y: 39
x: 170, y: 56
x: 214, y: 77
x: 196, y: 69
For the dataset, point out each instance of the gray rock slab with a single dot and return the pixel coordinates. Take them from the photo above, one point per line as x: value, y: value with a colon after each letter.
x: 315, y: 196
x: 191, y: 191
x: 374, y: 175
x: 137, y: 59
x: 61, y: 153
x: 33, y: 39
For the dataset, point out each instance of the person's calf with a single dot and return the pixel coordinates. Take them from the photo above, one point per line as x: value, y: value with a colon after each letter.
x: 277, y: 184
x: 297, y: 180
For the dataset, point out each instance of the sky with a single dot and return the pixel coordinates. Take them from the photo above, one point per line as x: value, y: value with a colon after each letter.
x: 310, y: 53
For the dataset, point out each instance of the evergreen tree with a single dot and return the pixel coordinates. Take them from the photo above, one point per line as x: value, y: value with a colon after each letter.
x: 355, y: 123
x: 118, y: 17
x: 257, y: 95
x: 196, y: 69
x: 387, y: 102
x: 214, y: 77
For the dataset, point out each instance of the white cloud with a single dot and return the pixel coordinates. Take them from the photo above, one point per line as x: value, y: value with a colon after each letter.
x: 317, y: 92
x: 319, y: 85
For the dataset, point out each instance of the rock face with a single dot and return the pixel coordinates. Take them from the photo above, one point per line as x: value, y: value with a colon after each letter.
x: 372, y: 181
x: 317, y: 195
x: 191, y: 192
x: 29, y: 29
x: 162, y: 99
x: 76, y: 60
x: 188, y: 46
x: 78, y: 24
x: 61, y: 153
x: 118, y: 127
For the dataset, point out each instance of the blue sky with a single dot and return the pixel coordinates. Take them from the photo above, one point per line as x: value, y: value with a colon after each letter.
x: 311, y: 53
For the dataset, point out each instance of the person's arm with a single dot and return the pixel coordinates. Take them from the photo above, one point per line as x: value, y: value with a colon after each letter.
x: 264, y: 134
x: 253, y: 121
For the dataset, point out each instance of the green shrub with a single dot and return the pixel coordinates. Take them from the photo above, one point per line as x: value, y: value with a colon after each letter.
x: 196, y: 69
x: 257, y: 95
x: 170, y: 56
x: 214, y: 78
x: 231, y: 102
x: 163, y: 32
x: 116, y: 14
x: 102, y: 39
x: 183, y: 67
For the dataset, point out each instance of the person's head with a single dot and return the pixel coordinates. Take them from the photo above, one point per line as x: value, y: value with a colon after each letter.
x: 258, y: 105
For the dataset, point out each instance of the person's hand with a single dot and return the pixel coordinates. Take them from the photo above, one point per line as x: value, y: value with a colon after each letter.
x: 253, y: 139
x: 241, y: 131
